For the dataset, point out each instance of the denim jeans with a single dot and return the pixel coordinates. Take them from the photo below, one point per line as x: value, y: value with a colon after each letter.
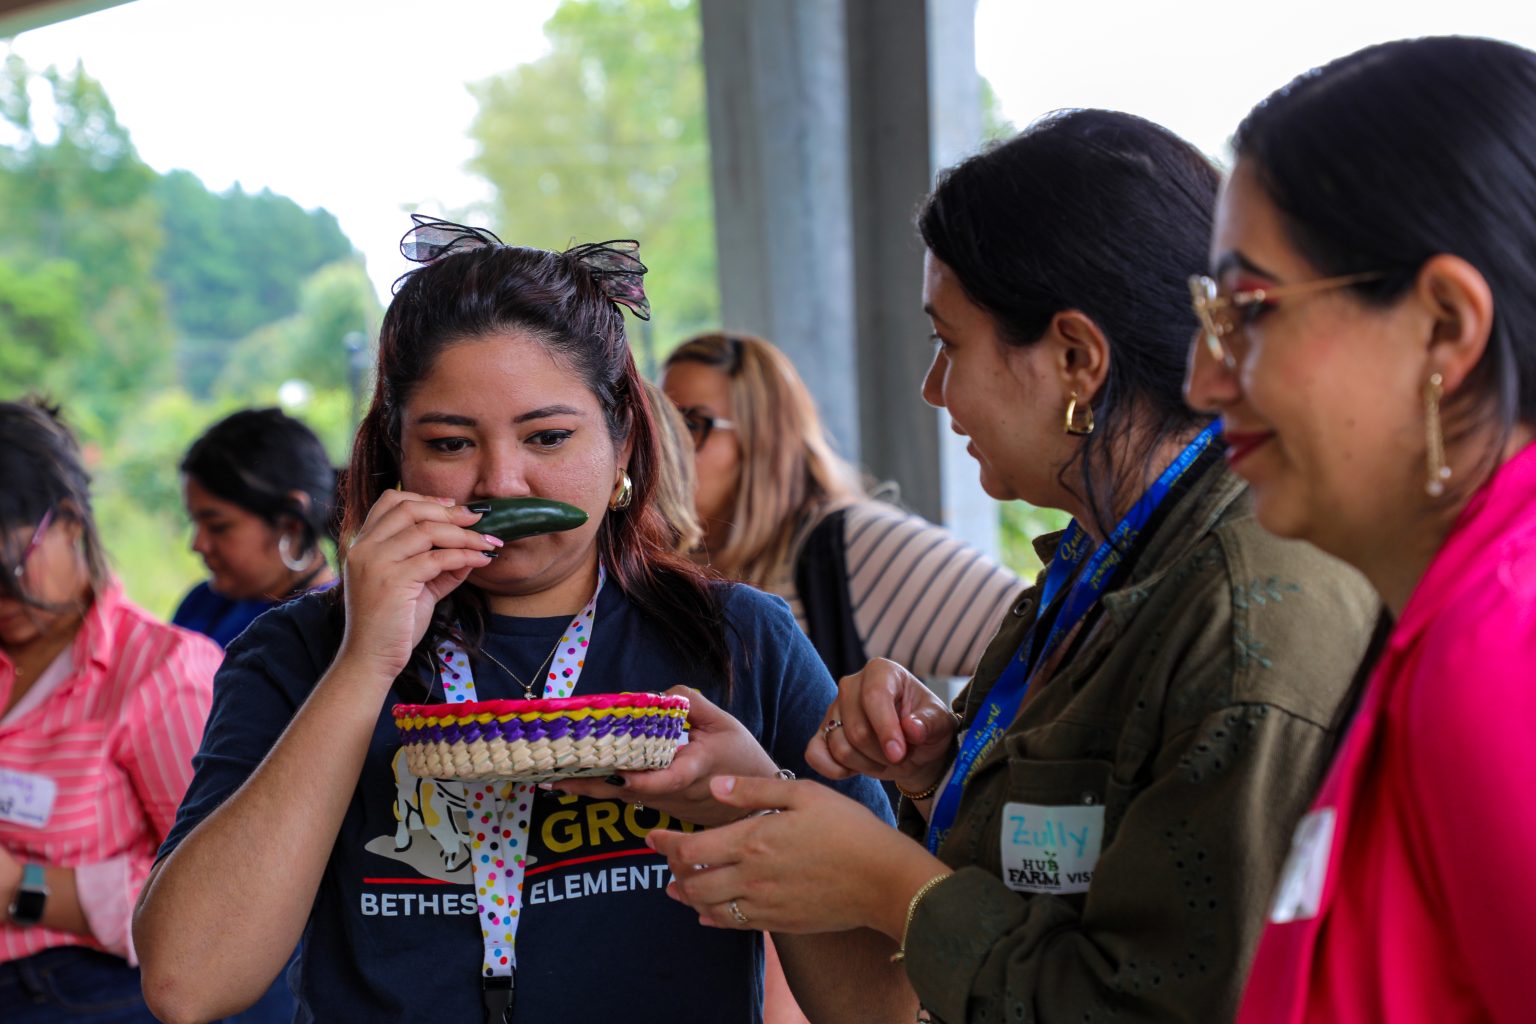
x: 71, y: 984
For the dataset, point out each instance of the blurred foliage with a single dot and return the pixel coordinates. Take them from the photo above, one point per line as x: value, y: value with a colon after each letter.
x: 1021, y: 524
x: 605, y: 137
x: 232, y: 260
x: 150, y: 308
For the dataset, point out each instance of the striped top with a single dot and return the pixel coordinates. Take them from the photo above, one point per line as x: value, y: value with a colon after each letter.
x: 115, y: 735
x: 921, y: 596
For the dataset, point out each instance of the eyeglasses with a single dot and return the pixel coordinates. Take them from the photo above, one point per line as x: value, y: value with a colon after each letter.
x: 701, y: 425
x: 37, y: 539
x: 1223, y: 316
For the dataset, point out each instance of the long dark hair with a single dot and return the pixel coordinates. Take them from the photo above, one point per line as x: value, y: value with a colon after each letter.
x: 1385, y: 158
x: 42, y: 469
x: 1100, y: 212
x: 256, y: 459
x: 555, y: 299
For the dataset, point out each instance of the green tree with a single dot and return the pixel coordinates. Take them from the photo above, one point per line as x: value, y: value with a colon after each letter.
x: 86, y: 199
x: 605, y: 137
x: 42, y: 324
x: 235, y: 260
x: 335, y: 301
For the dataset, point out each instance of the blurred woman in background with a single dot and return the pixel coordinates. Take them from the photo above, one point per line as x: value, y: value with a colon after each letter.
x: 676, y: 483
x: 260, y: 491
x: 783, y: 512
x: 101, y: 707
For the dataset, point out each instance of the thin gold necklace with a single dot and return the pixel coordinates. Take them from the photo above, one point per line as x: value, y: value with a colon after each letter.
x: 538, y: 672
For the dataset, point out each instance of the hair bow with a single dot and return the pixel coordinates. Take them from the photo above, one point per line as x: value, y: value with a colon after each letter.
x: 614, y: 265
x: 432, y: 238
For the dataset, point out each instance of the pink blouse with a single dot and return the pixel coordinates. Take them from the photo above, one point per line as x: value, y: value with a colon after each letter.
x: 1411, y: 892
x: 112, y: 743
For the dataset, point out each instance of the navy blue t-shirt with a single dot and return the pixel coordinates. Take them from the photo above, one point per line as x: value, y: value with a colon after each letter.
x: 217, y: 617
x: 394, y: 933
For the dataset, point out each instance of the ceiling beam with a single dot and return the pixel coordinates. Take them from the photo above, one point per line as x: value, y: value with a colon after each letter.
x: 17, y: 16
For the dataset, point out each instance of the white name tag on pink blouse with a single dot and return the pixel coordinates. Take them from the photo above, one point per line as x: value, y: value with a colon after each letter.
x: 26, y: 799
x: 1051, y: 849
x: 1300, y: 892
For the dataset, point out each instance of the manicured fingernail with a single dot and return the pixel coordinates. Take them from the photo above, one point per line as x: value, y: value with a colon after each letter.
x: 479, y: 507
x: 615, y: 780
x: 490, y: 554
x: 494, y: 541
x: 445, y: 501
x: 546, y: 786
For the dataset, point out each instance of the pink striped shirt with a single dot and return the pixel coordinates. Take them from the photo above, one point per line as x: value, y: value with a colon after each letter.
x: 116, y: 737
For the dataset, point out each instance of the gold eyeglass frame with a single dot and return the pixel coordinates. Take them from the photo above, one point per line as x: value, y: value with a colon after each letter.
x: 1217, y: 313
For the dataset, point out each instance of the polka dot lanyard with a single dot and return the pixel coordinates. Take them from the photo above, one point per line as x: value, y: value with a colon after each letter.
x: 498, y: 810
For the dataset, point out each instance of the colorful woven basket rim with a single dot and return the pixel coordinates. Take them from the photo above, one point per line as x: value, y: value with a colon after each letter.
x: 549, y: 706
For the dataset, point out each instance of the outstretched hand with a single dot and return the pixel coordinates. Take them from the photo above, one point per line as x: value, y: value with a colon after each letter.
x: 824, y: 863
x: 717, y: 745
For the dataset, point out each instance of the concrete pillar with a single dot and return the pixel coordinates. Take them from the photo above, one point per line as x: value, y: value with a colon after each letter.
x: 828, y: 121
x: 777, y: 98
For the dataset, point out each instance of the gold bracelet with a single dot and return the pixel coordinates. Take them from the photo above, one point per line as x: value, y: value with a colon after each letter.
x: 924, y: 795
x: 927, y: 887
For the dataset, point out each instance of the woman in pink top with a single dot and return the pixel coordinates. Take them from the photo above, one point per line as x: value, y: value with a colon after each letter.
x: 1368, y: 340
x: 101, y: 709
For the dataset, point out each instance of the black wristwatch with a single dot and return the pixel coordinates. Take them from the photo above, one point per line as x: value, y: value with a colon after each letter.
x: 31, y: 898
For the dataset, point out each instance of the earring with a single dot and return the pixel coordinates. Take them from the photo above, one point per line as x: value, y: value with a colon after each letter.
x: 293, y: 564
x: 1439, y: 472
x: 1073, y: 427
x: 624, y: 493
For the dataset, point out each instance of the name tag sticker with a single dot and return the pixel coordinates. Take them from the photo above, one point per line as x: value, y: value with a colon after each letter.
x: 1300, y: 892
x: 1051, y: 849
x: 26, y: 799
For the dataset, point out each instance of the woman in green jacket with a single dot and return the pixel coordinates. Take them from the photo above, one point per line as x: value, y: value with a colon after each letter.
x: 1098, y: 830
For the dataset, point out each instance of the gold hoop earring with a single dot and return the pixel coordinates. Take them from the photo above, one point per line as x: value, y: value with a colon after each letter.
x: 1072, y: 426
x: 1439, y: 472
x: 624, y: 493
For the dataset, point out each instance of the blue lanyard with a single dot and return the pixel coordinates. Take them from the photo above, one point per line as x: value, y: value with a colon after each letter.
x: 1007, y: 694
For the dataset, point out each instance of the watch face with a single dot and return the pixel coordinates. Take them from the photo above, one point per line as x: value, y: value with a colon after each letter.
x: 28, y: 908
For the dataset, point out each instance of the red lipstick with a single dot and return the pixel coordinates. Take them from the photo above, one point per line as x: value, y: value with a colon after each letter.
x: 1242, y: 444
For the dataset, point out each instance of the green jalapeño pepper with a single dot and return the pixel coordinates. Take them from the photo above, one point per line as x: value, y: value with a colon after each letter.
x: 515, y: 518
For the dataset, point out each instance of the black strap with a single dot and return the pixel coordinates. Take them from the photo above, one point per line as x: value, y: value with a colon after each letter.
x: 498, y: 999
x: 821, y: 579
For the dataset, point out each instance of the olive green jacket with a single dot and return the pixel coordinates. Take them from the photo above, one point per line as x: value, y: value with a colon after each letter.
x: 1200, y: 710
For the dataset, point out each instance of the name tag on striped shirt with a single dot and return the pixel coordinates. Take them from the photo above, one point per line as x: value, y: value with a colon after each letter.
x: 25, y: 798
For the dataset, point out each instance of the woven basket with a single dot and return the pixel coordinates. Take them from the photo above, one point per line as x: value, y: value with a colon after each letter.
x: 541, y: 740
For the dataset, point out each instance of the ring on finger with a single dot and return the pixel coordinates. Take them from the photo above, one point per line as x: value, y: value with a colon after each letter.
x: 736, y: 912
x: 826, y: 730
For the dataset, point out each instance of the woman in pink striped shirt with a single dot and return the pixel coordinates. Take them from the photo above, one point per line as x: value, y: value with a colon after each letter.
x: 101, y: 709
x: 1368, y: 342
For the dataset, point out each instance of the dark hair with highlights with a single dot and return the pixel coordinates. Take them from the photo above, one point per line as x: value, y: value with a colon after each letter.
x: 554, y: 299
x: 1099, y: 212
x: 1385, y: 158
x: 41, y: 466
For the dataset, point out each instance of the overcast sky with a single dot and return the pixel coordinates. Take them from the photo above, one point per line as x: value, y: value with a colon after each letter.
x: 360, y: 106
